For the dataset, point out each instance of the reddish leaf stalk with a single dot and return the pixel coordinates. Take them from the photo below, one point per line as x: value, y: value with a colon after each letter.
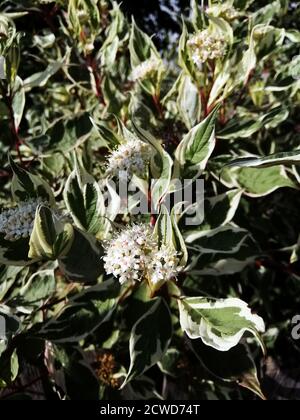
x: 158, y: 106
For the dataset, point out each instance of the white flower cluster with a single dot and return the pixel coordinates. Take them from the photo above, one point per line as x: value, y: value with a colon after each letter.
x: 146, y: 68
x: 18, y: 222
x: 132, y: 157
x: 134, y: 256
x: 206, y: 46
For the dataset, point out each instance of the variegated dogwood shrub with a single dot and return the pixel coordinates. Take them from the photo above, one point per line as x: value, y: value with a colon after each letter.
x: 146, y: 296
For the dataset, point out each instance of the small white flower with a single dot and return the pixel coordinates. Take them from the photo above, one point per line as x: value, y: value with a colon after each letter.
x: 18, y: 222
x: 146, y: 68
x: 134, y: 255
x: 206, y: 46
x: 126, y: 254
x: 164, y: 265
x: 132, y: 157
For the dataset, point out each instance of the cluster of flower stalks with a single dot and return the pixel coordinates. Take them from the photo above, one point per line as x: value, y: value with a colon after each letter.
x: 134, y: 255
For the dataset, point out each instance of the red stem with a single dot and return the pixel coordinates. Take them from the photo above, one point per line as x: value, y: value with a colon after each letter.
x: 17, y: 139
x: 92, y: 64
x: 158, y: 106
x: 152, y: 216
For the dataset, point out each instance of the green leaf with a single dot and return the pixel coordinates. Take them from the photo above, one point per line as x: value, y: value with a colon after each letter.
x: 84, y: 313
x: 179, y: 242
x: 163, y: 229
x: 226, y: 264
x: 41, y: 285
x: 83, y: 261
x: 224, y: 240
x: 281, y: 158
x: 149, y: 339
x: 184, y: 59
x: 8, y: 276
x: 9, y: 368
x: 84, y: 200
x: 141, y: 46
x: 169, y: 362
x: 188, y: 102
x: 18, y: 102
x: 50, y: 236
x: 247, y: 63
x: 26, y: 185
x: 109, y: 138
x: 236, y: 365
x: 256, y: 182
x: 244, y: 127
x: 260, y: 182
x: 222, y: 27
x: 41, y: 78
x: 160, y: 186
x: 63, y: 136
x: 9, y: 323
x: 220, y: 209
x: 219, y: 323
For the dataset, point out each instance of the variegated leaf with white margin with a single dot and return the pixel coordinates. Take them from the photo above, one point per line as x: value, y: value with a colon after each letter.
x: 167, y: 234
x: 161, y: 166
x: 41, y: 78
x: 218, y: 210
x: 256, y: 182
x: 84, y: 200
x: 219, y: 323
x: 142, y: 48
x: 85, y: 312
x: 18, y: 102
x: 208, y: 264
x: 123, y: 133
x: 234, y: 73
x: 196, y: 147
x: 221, y: 209
x: 113, y: 207
x: 246, y: 126
x: 219, y: 83
x: 178, y: 238
x: 84, y: 260
x: 50, y: 237
x: 184, y: 58
x: 281, y: 158
x: 26, y: 185
x: 221, y: 27
x: 150, y: 338
x: 163, y: 229
x: 224, y: 240
x: 236, y: 365
x: 247, y: 63
x: 40, y: 285
x: 106, y: 136
x: 188, y: 102
x: 225, y: 267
